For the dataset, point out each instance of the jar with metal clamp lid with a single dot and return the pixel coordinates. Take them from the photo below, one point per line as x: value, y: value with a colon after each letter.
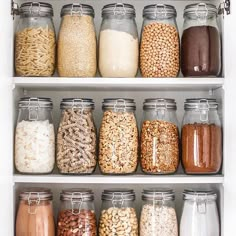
x: 77, y: 213
x: 201, y: 137
x: 118, y: 215
x: 159, y: 136
x: 34, y: 136
x: 35, y: 213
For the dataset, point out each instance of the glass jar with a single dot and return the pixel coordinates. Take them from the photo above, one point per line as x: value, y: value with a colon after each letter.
x: 158, y: 215
x: 159, y: 136
x: 118, y: 41
x: 159, y: 50
x: 118, y: 215
x: 35, y: 136
x: 77, y: 213
x: 200, y: 214
x: 200, y: 25
x: 201, y: 137
x: 118, y: 141
x: 35, y: 40
x: 76, y: 137
x: 77, y: 42
x: 35, y: 213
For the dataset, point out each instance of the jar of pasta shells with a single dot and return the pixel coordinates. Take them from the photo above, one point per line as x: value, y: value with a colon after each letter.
x: 118, y: 140
x: 35, y: 40
x: 76, y: 137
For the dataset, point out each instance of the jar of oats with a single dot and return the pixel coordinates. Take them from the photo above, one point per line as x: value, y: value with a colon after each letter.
x: 35, y: 40
x: 76, y: 49
x: 118, y: 141
x: 159, y: 137
x: 159, y: 50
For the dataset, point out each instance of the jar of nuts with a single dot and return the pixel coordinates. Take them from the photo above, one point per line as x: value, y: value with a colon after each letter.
x: 76, y: 137
x: 159, y: 52
x: 118, y: 216
x: 159, y: 137
x: 77, y: 213
x: 118, y: 141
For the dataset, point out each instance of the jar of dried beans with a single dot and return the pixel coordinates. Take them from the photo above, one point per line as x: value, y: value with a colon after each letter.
x: 159, y: 50
x: 118, y: 141
x: 77, y: 213
x: 201, y: 137
x: 76, y: 137
x: 35, y: 40
x: 159, y: 137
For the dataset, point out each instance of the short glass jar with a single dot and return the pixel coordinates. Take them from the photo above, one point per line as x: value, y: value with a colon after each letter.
x: 158, y: 215
x: 159, y: 50
x: 118, y: 41
x: 159, y: 136
x: 118, y: 213
x: 35, y: 40
x: 35, y: 136
x: 201, y: 137
x: 77, y: 213
x: 118, y: 139
x: 76, y: 137
x: 76, y: 49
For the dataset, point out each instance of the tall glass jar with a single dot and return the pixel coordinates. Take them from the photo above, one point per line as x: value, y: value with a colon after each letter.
x: 76, y: 51
x: 35, y: 136
x: 159, y: 50
x: 159, y: 136
x: 77, y: 213
x: 200, y: 25
x: 118, y: 140
x: 158, y: 215
x: 35, y: 40
x: 118, y: 215
x: 200, y: 214
x: 118, y: 41
x: 76, y: 137
x: 201, y: 137
x: 35, y: 213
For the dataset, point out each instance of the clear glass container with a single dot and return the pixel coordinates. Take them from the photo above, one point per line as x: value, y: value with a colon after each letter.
x: 118, y: 41
x: 200, y: 214
x: 76, y: 137
x: 77, y: 213
x: 159, y: 49
x: 159, y: 136
x: 118, y: 215
x: 35, y: 136
x: 76, y: 51
x: 35, y: 40
x: 35, y: 213
x: 201, y: 137
x: 158, y: 215
x: 118, y: 139
x: 200, y: 25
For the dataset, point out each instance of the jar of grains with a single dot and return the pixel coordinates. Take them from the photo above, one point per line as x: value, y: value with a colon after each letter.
x: 77, y: 42
x: 159, y: 137
x: 118, y: 215
x: 158, y: 216
x: 201, y: 137
x: 77, y: 213
x: 200, y: 25
x: 118, y: 41
x: 34, y: 136
x: 118, y: 141
x: 159, y: 52
x: 35, y: 213
x: 76, y: 137
x: 35, y: 40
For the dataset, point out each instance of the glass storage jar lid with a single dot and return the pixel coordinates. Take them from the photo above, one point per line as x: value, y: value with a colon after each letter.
x: 118, y: 194
x: 75, y: 194
x: 161, y: 194
x: 201, y: 10
x: 156, y: 103
x: 200, y: 103
x: 32, y: 194
x: 199, y: 194
x: 118, y: 104
x: 39, y: 102
x: 159, y: 11
x: 118, y: 9
x: 77, y: 9
x: 36, y: 9
x: 80, y: 103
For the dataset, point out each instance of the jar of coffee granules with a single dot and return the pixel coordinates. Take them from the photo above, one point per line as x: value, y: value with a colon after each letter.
x: 201, y: 137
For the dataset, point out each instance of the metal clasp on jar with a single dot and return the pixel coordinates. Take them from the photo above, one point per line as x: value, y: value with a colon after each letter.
x: 120, y: 105
x: 33, y: 109
x: 33, y: 202
x: 160, y: 201
x: 160, y: 108
x: 76, y: 204
x: 204, y: 110
x: 78, y: 12
x: 117, y: 202
x: 160, y: 10
x: 118, y: 11
x: 35, y: 4
x: 201, y: 204
x: 202, y: 12
x: 78, y: 104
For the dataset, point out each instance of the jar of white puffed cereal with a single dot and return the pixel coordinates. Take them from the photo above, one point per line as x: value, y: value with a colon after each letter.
x: 34, y: 136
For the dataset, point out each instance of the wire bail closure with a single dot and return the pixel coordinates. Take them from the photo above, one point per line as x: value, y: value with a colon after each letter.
x: 117, y: 11
x: 160, y: 10
x: 204, y: 110
x: 202, y: 16
x: 76, y: 12
x: 160, y: 109
x: 33, y: 109
x: 117, y: 201
x: 120, y: 105
x: 33, y: 4
x: 76, y: 204
x: 201, y: 204
x: 30, y: 201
